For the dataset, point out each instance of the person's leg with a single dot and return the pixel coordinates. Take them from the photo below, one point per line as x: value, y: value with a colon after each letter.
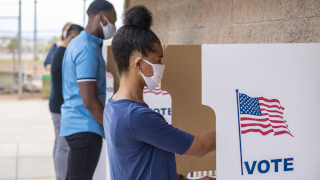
x: 93, y: 154
x: 67, y: 177
x: 61, y: 150
x: 84, y: 154
x: 56, y: 132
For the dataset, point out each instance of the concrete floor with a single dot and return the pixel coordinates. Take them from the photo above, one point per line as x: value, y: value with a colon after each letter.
x: 26, y: 140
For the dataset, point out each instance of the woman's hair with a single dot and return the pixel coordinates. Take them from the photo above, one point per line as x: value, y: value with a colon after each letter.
x: 134, y: 36
x: 66, y: 25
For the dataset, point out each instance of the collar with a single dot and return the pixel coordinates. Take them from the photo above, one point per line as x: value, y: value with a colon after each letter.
x: 93, y: 38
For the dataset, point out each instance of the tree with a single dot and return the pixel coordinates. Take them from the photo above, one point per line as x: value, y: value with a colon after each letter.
x: 13, y: 44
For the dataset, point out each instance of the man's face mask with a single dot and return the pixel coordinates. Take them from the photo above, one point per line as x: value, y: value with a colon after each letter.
x: 153, y: 81
x: 109, y: 30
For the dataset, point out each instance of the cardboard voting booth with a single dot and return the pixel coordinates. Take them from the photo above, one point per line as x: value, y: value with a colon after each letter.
x: 182, y: 80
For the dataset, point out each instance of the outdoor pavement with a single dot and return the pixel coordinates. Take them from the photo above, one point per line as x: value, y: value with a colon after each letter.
x: 26, y: 140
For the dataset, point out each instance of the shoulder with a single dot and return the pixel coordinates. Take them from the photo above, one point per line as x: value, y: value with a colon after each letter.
x: 84, y: 52
x: 140, y: 110
x: 77, y: 43
x: 80, y: 42
x: 52, y: 49
x: 61, y: 49
x: 58, y: 53
x: 143, y: 114
x: 54, y: 45
x: 78, y: 51
x: 78, y: 46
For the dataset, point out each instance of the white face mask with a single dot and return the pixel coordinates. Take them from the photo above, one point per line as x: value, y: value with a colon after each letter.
x: 109, y: 30
x: 153, y: 81
x: 64, y: 34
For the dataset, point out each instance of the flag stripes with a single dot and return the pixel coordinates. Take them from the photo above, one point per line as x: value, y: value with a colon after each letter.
x: 262, y: 115
x: 157, y: 91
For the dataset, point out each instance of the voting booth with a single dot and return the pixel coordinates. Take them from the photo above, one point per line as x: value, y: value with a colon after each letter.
x: 262, y: 100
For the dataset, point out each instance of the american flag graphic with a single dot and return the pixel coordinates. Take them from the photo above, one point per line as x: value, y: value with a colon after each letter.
x: 261, y: 115
x: 157, y: 91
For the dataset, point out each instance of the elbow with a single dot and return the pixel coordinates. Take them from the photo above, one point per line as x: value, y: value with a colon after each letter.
x: 200, y: 147
x: 88, y: 105
x: 204, y: 150
x: 200, y: 152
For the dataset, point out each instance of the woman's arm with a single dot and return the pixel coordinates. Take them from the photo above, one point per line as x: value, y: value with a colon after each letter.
x: 202, y: 145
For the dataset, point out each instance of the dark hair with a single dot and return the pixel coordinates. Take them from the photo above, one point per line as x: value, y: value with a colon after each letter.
x: 98, y: 6
x: 74, y: 29
x: 134, y: 36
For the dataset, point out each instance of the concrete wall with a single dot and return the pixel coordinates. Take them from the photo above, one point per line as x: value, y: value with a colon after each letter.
x: 234, y: 21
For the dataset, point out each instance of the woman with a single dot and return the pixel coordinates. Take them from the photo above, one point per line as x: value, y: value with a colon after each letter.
x: 141, y: 144
x: 56, y: 46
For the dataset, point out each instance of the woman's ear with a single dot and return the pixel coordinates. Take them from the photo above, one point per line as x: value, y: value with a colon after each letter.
x: 137, y: 64
x: 135, y: 61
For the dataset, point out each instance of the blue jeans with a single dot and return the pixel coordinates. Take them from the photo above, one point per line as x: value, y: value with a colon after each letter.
x: 61, y: 149
x: 85, y: 149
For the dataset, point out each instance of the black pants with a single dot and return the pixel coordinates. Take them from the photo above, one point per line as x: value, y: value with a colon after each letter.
x: 83, y: 156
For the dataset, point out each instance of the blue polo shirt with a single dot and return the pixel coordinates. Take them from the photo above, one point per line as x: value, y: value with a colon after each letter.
x: 82, y: 62
x: 141, y: 144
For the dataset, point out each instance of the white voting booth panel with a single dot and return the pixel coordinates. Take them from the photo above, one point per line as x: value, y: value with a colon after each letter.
x: 102, y: 171
x: 269, y: 129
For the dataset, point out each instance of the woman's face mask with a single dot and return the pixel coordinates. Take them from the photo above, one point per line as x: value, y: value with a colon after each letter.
x: 153, y: 81
x: 109, y: 30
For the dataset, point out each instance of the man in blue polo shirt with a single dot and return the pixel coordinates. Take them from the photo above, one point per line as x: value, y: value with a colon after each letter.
x: 84, y: 91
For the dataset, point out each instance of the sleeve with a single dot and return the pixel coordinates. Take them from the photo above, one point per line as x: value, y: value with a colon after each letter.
x: 150, y: 127
x: 50, y: 54
x: 87, y: 62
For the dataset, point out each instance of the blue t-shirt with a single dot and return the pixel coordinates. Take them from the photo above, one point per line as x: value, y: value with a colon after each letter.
x: 141, y: 144
x: 82, y: 62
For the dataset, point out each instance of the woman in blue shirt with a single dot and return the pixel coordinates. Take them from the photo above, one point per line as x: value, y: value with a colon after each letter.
x: 141, y: 144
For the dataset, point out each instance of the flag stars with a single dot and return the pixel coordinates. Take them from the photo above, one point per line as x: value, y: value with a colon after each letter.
x: 249, y: 105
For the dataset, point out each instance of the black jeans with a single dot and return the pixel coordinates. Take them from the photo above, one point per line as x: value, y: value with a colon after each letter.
x: 83, y: 156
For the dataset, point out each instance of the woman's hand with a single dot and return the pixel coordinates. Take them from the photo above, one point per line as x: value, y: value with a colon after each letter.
x: 204, y: 178
x: 207, y: 178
